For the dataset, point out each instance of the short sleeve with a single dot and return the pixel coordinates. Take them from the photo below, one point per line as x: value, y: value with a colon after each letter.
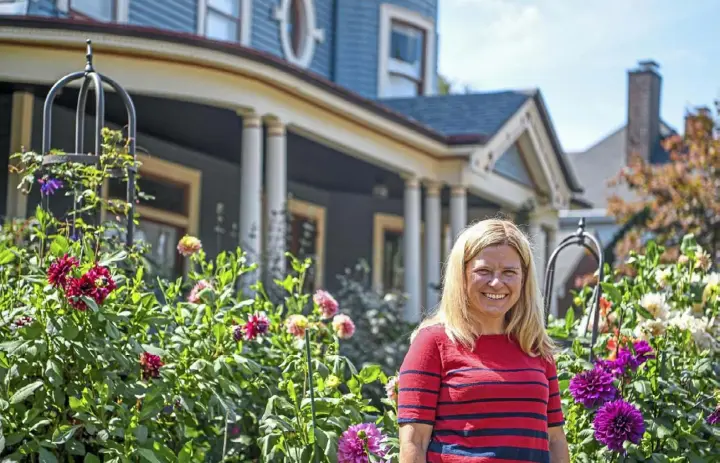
x: 554, y: 408
x: 419, y: 382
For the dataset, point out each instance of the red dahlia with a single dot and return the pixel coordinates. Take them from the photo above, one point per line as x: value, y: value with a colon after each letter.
x: 150, y: 365
x: 59, y: 270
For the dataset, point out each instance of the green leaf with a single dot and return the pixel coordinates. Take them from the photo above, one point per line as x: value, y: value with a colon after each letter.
x: 148, y: 455
x: 91, y: 458
x: 327, y: 441
x: 370, y: 373
x: 150, y: 349
x: 6, y: 257
x: 611, y: 290
x: 642, y: 386
x: 141, y: 433
x: 59, y: 246
x: 64, y: 433
x: 185, y: 454
x: 25, y: 392
x: 117, y: 257
x: 569, y: 319
x: 46, y: 456
x: 70, y: 329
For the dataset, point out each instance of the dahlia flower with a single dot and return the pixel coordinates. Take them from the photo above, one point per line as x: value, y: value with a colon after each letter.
x: 59, y: 270
x: 189, y: 245
x: 357, y: 441
x: 391, y: 389
x: 617, y: 422
x: 257, y: 324
x: 96, y: 284
x: 655, y: 304
x: 593, y: 387
x: 194, y: 296
x: 344, y: 326
x: 327, y: 304
x: 151, y: 364
x: 296, y: 325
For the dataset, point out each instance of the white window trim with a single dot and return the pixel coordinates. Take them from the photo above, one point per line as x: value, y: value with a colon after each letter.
x: 388, y: 13
x: 122, y: 9
x: 312, y: 33
x: 245, y: 20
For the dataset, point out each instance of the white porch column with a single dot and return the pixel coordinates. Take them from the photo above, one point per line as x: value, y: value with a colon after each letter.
x: 251, y: 190
x: 411, y: 239
x: 433, y: 233
x: 537, y: 240
x: 276, y: 205
x: 551, y: 239
x: 458, y: 210
x: 20, y: 139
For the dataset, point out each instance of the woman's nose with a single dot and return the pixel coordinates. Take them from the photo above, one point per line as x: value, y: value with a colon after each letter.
x: 494, y: 281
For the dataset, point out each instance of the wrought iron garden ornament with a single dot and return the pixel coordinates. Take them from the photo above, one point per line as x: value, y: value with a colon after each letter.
x: 579, y: 238
x: 90, y: 77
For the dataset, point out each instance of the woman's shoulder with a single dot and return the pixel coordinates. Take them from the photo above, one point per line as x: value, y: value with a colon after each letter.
x: 431, y: 333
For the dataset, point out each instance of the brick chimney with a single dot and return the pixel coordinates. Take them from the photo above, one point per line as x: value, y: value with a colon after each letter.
x: 643, y: 124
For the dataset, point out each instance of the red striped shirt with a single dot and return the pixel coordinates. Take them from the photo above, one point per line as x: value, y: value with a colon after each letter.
x: 494, y: 404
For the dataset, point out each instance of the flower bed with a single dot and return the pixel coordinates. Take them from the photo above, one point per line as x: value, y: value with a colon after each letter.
x: 654, y: 392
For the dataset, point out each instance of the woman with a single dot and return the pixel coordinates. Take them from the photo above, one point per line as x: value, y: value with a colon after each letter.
x: 478, y: 383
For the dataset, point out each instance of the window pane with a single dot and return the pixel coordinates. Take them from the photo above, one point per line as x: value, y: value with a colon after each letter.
x: 296, y: 20
x: 402, y: 87
x: 407, y: 44
x: 302, y: 234
x: 393, y: 265
x: 162, y: 240
x: 221, y: 27
x: 96, y: 9
x: 229, y: 7
x: 165, y: 195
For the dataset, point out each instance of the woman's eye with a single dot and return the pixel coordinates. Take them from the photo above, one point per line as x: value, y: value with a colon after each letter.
x: 509, y: 272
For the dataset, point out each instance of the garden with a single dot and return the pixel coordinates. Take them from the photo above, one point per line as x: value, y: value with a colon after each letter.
x: 101, y: 360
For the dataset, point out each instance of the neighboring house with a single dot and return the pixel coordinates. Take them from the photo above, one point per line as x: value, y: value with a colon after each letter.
x: 598, y: 165
x: 322, y: 108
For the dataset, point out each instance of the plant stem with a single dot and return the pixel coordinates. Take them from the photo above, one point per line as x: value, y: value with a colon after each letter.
x: 312, y: 389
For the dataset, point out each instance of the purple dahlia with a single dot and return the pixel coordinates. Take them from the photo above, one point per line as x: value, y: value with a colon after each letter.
x: 593, y: 387
x: 617, y: 422
x: 355, y: 443
x: 714, y: 417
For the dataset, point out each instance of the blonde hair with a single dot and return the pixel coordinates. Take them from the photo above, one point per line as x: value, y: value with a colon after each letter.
x: 525, y: 321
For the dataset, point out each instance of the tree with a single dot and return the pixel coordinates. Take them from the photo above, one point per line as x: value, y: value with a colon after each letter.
x: 675, y: 198
x: 444, y: 85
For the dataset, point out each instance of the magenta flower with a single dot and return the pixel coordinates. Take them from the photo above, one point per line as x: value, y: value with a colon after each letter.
x: 344, y: 326
x: 96, y: 284
x: 150, y: 364
x: 257, y: 324
x: 60, y: 269
x: 714, y: 417
x: 327, y: 304
x: 593, y: 387
x: 21, y: 322
x: 611, y: 367
x: 357, y: 441
x: 617, y: 422
x: 643, y: 351
x: 391, y: 389
x: 194, y: 296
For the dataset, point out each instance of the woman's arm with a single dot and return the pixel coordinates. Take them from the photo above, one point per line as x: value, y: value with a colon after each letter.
x: 559, y: 452
x: 414, y: 441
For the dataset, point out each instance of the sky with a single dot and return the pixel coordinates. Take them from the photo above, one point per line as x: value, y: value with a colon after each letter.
x: 578, y: 52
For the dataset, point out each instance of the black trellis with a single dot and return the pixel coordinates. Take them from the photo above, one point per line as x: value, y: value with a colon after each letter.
x: 579, y: 238
x: 90, y: 77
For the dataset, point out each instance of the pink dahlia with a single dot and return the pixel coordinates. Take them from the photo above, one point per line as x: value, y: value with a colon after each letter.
x: 344, y: 326
x: 327, y: 304
x: 357, y: 441
x: 257, y: 325
x: 151, y: 364
x: 391, y: 389
x: 296, y: 325
x: 189, y: 245
x: 60, y: 269
x: 194, y: 296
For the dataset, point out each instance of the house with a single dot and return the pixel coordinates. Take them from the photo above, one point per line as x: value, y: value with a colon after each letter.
x: 326, y: 109
x: 641, y: 134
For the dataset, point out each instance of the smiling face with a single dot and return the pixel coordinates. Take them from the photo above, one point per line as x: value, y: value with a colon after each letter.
x: 494, y: 283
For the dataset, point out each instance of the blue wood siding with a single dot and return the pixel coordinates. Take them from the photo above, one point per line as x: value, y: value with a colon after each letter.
x: 44, y: 8
x: 512, y: 165
x: 266, y: 32
x: 176, y: 15
x: 357, y: 40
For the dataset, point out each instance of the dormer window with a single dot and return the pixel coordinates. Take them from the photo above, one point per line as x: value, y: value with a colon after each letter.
x: 227, y: 20
x: 407, y: 53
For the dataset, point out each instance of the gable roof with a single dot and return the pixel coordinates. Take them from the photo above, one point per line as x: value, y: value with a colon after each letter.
x: 479, y: 116
x: 461, y: 114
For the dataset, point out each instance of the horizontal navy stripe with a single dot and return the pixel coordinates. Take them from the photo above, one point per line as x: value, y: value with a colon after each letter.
x: 555, y: 410
x: 486, y: 383
x: 417, y: 407
x: 554, y: 395
x: 413, y: 420
x: 492, y: 432
x: 552, y: 378
x: 480, y: 416
x: 501, y: 453
x: 554, y: 425
x: 419, y: 372
x: 417, y: 389
x: 496, y: 399
x: 498, y: 370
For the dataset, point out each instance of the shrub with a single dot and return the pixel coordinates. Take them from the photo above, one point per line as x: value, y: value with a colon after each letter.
x: 100, y: 362
x: 652, y: 393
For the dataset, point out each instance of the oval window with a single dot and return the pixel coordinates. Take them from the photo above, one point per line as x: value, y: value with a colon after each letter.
x: 297, y: 30
x: 296, y: 24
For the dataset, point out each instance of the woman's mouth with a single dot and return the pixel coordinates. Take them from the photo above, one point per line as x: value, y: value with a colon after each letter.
x: 495, y: 297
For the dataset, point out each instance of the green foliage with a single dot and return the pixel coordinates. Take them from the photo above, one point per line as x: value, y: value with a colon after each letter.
x: 675, y: 308
x: 202, y: 368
